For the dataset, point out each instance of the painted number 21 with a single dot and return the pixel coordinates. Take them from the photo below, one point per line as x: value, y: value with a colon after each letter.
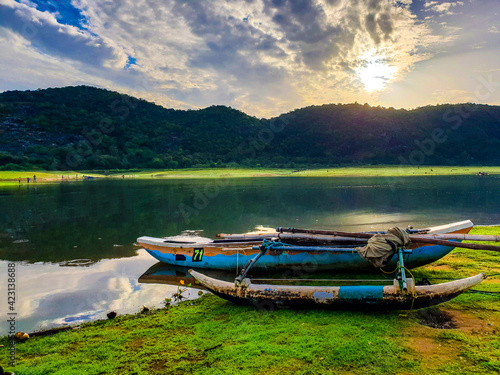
x: 198, y: 255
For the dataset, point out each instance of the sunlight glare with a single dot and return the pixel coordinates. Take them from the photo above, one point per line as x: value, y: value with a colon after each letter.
x: 374, y: 72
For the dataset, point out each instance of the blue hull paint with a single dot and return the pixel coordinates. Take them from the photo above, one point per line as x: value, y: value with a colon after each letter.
x: 366, y: 293
x: 305, y: 261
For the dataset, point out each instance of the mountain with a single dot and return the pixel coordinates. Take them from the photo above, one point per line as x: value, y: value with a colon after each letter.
x: 83, y: 128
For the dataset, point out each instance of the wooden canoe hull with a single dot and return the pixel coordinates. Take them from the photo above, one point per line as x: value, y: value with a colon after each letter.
x: 360, y: 297
x: 233, y: 256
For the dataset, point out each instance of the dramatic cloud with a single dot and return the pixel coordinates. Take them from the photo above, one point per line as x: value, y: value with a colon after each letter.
x: 49, y: 36
x: 261, y: 56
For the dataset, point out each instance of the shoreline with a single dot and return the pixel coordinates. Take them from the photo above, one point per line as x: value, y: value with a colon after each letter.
x: 12, y: 177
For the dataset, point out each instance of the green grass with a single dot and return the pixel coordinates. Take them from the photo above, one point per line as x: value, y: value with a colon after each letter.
x: 12, y: 177
x: 367, y: 171
x: 214, y: 336
x: 211, y: 335
x: 384, y: 171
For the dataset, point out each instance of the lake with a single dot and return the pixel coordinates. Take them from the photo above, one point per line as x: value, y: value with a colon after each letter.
x: 74, y: 243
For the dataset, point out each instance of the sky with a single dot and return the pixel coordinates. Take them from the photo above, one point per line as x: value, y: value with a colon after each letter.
x: 264, y: 57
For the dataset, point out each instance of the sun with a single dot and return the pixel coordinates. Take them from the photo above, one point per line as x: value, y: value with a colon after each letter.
x: 374, y: 71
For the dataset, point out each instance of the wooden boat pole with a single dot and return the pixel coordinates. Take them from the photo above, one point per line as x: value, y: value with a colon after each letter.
x: 456, y: 244
x: 444, y: 236
x: 460, y: 236
x: 279, y: 246
x: 413, y: 237
x: 325, y: 232
x: 333, y: 238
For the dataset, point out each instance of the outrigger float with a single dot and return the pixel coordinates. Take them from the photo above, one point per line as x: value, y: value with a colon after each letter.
x: 386, y: 297
x: 325, y: 250
x: 401, y: 294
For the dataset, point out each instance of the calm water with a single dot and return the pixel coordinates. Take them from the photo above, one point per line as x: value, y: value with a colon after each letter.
x: 73, y: 243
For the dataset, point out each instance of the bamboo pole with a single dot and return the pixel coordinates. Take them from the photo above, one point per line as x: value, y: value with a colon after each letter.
x: 460, y: 236
x: 318, y: 237
x: 414, y: 237
x: 447, y: 236
x: 456, y: 244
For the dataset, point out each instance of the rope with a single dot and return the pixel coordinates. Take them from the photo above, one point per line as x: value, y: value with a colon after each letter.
x: 413, y: 293
x: 389, y: 273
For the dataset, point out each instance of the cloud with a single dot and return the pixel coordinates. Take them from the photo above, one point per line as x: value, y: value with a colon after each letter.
x: 49, y: 36
x: 493, y: 30
x: 442, y: 8
x: 261, y: 56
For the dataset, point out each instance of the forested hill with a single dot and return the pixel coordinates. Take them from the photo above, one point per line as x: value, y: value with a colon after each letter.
x: 83, y: 128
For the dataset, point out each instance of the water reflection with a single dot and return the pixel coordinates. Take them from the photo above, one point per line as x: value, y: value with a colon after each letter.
x: 161, y: 273
x: 50, y: 295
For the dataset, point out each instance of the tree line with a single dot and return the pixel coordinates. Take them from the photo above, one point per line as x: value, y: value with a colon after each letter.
x: 86, y: 128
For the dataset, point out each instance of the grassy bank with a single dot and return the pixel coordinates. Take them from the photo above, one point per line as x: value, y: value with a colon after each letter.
x: 11, y: 177
x: 213, y: 336
x: 368, y: 171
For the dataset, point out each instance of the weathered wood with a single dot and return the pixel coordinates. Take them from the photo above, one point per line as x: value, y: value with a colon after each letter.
x: 460, y: 236
x: 318, y: 238
x: 261, y: 236
x: 456, y: 244
x: 355, y: 296
x: 326, y: 232
x: 421, y: 238
x: 339, y: 236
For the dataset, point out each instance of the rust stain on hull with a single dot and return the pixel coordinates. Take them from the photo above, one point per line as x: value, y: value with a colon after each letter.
x: 387, y: 297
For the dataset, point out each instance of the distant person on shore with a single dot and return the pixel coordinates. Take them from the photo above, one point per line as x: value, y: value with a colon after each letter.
x: 19, y: 180
x: 28, y: 179
x: 34, y: 178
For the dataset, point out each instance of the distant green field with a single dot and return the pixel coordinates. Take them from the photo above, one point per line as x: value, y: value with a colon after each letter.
x: 10, y: 177
x: 389, y: 171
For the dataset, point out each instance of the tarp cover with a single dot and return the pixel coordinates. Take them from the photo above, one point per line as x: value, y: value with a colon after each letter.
x: 379, y: 250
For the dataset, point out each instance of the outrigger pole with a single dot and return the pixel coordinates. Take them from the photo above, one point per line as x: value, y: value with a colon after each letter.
x: 415, y: 238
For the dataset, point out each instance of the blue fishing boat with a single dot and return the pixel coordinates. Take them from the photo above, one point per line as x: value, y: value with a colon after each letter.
x: 308, y: 253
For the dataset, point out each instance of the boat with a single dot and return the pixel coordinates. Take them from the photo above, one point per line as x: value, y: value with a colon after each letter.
x: 396, y: 296
x: 317, y: 253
